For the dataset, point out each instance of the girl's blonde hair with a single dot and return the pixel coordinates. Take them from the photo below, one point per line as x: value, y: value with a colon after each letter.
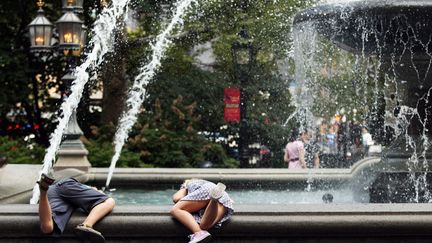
x: 187, y: 181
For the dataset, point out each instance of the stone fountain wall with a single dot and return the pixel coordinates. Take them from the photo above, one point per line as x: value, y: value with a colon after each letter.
x: 251, y: 223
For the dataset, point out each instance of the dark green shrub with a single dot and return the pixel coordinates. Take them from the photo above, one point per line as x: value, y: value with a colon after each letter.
x: 215, y: 153
x: 100, y: 154
x: 19, y: 152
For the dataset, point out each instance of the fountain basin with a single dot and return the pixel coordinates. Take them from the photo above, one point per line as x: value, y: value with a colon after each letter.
x: 358, y: 179
x: 251, y: 223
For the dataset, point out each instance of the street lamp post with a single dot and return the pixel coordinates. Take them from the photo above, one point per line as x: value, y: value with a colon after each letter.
x: 40, y: 32
x: 243, y: 51
x: 71, y: 40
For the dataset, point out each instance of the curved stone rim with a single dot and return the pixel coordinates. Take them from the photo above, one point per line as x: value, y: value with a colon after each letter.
x: 332, y: 9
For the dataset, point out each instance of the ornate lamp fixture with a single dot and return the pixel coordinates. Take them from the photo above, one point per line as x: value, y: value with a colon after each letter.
x: 40, y: 30
x: 70, y: 30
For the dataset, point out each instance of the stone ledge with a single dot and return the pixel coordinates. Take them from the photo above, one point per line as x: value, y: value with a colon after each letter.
x: 251, y: 223
x: 17, y: 181
x: 131, y: 175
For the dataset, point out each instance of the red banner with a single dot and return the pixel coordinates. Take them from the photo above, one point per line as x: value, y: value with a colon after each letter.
x: 232, y: 104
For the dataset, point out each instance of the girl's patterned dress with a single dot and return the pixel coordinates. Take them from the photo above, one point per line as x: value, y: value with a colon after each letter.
x: 198, y: 190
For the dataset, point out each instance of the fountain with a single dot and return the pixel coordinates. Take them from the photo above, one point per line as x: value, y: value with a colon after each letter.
x: 353, y: 27
x: 397, y: 35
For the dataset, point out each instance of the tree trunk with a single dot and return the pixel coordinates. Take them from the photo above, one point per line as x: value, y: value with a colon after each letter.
x: 114, y: 85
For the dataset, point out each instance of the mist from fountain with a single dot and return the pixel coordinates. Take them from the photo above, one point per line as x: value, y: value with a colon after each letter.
x: 102, y: 42
x: 382, y: 63
x: 137, y: 93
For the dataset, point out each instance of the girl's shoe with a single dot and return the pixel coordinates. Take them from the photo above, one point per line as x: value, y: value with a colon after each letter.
x: 217, y: 191
x: 200, y: 236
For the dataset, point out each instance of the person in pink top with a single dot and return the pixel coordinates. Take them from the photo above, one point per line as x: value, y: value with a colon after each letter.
x: 295, y: 152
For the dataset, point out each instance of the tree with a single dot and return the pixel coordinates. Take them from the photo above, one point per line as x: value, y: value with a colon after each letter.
x: 217, y: 23
x: 213, y: 23
x: 27, y: 79
x: 19, y: 84
x: 172, y: 141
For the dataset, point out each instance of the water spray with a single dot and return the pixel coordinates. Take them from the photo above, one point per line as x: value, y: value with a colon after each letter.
x: 137, y: 93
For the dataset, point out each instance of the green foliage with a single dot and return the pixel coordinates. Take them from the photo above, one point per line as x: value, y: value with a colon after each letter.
x: 101, y: 149
x: 100, y: 154
x: 14, y: 63
x: 215, y: 153
x: 217, y: 23
x: 168, y: 138
x: 180, y: 78
x: 26, y: 77
x: 18, y: 152
x: 170, y: 133
x: 342, y: 81
x: 165, y: 148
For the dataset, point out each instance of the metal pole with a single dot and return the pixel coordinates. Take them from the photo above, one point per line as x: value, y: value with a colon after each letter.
x: 243, y: 133
x: 72, y: 152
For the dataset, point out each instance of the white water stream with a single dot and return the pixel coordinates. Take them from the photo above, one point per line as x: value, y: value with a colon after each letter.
x: 102, y: 43
x: 137, y: 93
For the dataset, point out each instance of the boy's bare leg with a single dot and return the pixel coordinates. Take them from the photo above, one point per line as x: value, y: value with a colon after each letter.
x: 99, y: 211
x: 45, y: 215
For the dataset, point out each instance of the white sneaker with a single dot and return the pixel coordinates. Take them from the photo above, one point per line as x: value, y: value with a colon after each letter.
x: 200, y: 236
x: 217, y: 191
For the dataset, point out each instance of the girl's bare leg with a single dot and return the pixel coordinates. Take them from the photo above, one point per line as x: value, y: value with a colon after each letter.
x: 45, y: 214
x: 182, y: 212
x: 213, y: 214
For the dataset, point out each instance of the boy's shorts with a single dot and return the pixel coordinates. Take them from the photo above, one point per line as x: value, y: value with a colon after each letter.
x: 67, y: 195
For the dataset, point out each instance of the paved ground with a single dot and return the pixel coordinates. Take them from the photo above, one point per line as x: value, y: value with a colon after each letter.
x: 17, y: 179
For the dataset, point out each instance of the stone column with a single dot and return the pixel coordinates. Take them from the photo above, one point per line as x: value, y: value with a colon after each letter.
x: 72, y: 153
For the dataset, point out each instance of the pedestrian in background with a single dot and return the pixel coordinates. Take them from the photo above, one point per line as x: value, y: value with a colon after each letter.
x: 295, y: 152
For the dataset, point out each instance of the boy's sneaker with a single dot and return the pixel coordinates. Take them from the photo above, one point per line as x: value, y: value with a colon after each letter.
x: 217, y: 191
x: 86, y: 232
x: 200, y: 236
